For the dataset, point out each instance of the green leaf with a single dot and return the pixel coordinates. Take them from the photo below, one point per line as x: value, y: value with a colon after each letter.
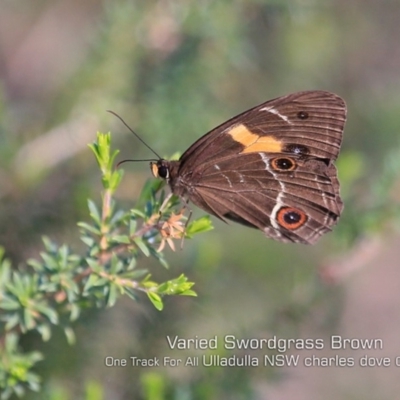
x: 159, y: 257
x: 8, y: 303
x: 177, y: 286
x: 12, y: 320
x: 101, y: 150
x: 92, y: 281
x: 133, y: 275
x: 29, y: 320
x: 188, y: 293
x: 112, y: 158
x: 130, y: 293
x: 5, y: 269
x: 49, y: 312
x: 35, y: 264
x: 94, y: 251
x: 49, y: 261
x: 137, y: 213
x: 11, y: 341
x: 132, y: 226
x: 200, y: 225
x: 89, y: 241
x: 142, y: 246
x: 150, y: 187
x: 70, y: 335
x: 94, y: 264
x: 94, y: 212
x: 89, y: 228
x: 75, y: 311
x: 156, y: 300
x: 112, y: 295
x: 45, y: 331
x: 118, y: 217
x: 50, y: 246
x: 116, y: 265
x: 115, y: 179
x: 121, y: 239
x: 132, y: 264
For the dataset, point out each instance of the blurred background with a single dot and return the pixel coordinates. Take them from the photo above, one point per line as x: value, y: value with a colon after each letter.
x: 174, y: 70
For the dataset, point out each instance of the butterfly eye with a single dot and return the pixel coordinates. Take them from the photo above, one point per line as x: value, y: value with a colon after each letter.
x: 163, y: 172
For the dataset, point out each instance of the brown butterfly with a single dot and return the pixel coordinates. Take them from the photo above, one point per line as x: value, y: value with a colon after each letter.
x: 270, y: 167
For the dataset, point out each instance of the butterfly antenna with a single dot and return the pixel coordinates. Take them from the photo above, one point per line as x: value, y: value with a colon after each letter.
x: 130, y: 160
x: 121, y: 119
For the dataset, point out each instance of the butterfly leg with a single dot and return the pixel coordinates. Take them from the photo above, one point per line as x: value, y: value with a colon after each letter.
x: 187, y: 221
x: 164, y: 203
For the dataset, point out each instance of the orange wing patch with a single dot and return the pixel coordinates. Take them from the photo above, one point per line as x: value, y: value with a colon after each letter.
x: 254, y: 143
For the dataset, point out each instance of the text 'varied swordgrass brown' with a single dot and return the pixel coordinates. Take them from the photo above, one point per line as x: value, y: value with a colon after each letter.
x: 271, y: 167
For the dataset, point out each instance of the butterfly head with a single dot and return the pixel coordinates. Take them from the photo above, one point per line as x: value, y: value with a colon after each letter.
x: 169, y: 172
x: 160, y: 169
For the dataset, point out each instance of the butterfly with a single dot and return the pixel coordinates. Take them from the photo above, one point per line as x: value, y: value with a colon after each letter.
x: 270, y: 168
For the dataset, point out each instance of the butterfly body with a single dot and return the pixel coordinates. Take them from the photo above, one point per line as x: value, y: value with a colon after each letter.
x: 271, y: 167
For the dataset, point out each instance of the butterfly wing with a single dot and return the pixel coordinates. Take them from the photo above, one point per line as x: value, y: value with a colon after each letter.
x: 313, y: 119
x: 271, y: 167
x: 298, y: 205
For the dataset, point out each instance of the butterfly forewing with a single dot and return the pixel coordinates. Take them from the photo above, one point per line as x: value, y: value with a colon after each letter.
x: 313, y: 118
